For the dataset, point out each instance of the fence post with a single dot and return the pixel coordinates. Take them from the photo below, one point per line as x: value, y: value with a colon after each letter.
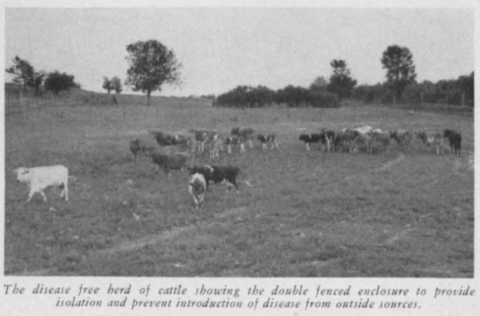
x: 463, y: 99
x: 354, y: 111
x: 22, y: 105
x: 156, y: 112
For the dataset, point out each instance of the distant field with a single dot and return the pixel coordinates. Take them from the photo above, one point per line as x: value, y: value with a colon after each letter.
x: 309, y: 214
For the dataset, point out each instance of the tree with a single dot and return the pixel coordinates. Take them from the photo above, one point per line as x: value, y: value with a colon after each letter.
x: 107, y: 84
x: 56, y: 82
x: 36, y: 81
x: 23, y: 72
x: 151, y: 64
x: 400, y: 68
x: 319, y: 84
x: 116, y: 84
x: 341, y: 82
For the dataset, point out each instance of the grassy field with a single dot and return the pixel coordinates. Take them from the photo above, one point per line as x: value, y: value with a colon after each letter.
x: 309, y: 214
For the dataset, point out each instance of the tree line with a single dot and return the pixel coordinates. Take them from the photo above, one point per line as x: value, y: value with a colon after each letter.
x: 152, y: 64
x: 458, y: 91
x: 26, y: 75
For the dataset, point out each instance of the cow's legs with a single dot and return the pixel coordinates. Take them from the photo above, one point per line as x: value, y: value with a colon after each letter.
x: 65, y: 191
x: 30, y: 195
x: 44, y: 197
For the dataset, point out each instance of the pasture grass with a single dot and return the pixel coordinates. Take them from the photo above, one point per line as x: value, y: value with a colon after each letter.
x: 308, y: 214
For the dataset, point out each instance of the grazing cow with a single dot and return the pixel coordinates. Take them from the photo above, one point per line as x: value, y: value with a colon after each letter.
x: 245, y: 132
x: 219, y: 174
x: 40, y: 178
x: 455, y: 140
x: 431, y: 139
x: 197, y: 187
x: 402, y: 137
x: 382, y: 139
x: 310, y: 139
x: 233, y: 141
x: 346, y: 138
x: 170, y: 161
x: 164, y: 139
x: 267, y: 139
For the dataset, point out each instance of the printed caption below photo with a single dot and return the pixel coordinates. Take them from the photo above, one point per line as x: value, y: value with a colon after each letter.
x: 297, y: 297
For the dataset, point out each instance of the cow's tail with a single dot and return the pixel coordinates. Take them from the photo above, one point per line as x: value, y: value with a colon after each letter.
x: 245, y: 179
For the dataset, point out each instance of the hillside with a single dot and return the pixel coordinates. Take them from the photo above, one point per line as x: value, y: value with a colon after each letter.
x: 79, y: 97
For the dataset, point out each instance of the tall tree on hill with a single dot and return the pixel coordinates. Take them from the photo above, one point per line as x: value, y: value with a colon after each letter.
x: 400, y: 68
x: 151, y: 64
x: 107, y: 84
x: 116, y: 86
x: 23, y: 72
x: 57, y: 82
x: 341, y: 83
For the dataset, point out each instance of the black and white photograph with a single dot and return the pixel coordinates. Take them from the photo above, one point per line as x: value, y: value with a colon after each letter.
x: 239, y: 142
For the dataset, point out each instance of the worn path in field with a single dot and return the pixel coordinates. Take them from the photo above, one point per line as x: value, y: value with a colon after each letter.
x: 391, y: 163
x: 154, y: 239
x: 169, y: 234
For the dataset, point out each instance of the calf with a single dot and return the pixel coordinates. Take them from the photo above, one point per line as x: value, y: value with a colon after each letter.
x: 455, y: 140
x: 197, y: 187
x: 40, y: 178
x: 267, y: 139
x: 310, y: 139
x: 431, y: 139
x: 171, y: 161
x: 219, y: 174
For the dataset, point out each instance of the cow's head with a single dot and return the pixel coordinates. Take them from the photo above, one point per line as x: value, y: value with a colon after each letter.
x: 22, y: 173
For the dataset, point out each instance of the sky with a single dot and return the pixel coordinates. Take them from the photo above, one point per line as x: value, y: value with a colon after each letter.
x: 223, y: 47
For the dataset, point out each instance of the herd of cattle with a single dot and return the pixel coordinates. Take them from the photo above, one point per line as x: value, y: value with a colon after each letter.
x: 172, y: 151
x: 352, y: 138
x: 348, y: 139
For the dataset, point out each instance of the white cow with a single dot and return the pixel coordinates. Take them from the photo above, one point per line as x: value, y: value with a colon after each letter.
x: 197, y: 187
x: 40, y: 178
